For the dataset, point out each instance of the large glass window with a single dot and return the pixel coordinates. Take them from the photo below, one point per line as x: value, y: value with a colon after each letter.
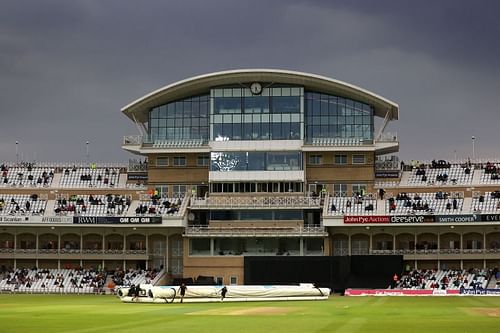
x: 275, y: 114
x: 328, y: 116
x: 255, y: 215
x: 180, y: 120
x: 179, y: 160
x: 255, y: 161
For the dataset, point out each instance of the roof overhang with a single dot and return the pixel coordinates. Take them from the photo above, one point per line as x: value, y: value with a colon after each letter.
x: 202, y: 84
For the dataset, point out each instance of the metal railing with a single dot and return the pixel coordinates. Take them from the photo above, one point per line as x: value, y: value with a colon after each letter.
x: 202, y: 230
x: 256, y: 202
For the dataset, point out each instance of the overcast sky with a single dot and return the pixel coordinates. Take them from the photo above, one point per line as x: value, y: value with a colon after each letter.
x: 67, y: 67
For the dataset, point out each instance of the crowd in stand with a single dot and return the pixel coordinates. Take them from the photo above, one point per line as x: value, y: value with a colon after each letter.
x: 449, y: 279
x: 131, y: 276
x: 43, y: 179
x: 491, y: 169
x: 28, y: 205
x: 159, y: 206
x: 115, y: 204
x: 416, y: 203
x: 51, y: 280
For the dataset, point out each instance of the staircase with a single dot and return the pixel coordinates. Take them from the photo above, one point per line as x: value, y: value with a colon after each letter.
x: 56, y: 181
x: 404, y: 178
x: 476, y: 177
x: 492, y: 284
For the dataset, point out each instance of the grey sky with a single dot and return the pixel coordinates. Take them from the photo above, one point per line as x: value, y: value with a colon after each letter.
x: 67, y: 67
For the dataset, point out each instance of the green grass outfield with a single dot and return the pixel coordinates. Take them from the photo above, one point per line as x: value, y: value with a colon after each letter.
x: 63, y: 313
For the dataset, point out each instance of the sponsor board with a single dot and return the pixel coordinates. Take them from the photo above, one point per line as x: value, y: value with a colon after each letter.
x: 412, y: 218
x: 137, y: 176
x: 116, y: 220
x: 480, y: 292
x: 387, y: 174
x: 400, y: 292
x: 456, y: 218
x: 36, y: 219
x: 490, y: 217
x: 366, y: 219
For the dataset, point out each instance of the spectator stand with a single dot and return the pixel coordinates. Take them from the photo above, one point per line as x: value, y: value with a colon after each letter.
x: 25, y: 175
x: 60, y: 281
x: 89, y: 177
x: 339, y: 205
x: 92, y: 205
x: 23, y: 204
x: 425, y: 203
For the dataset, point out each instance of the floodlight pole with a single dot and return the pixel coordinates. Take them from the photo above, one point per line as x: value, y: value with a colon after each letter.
x: 473, y: 148
x: 17, y: 152
x: 87, y: 150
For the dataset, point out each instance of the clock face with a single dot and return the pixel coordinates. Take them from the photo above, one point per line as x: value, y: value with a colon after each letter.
x: 256, y: 88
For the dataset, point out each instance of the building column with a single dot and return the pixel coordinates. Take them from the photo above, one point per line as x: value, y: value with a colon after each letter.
x: 349, y: 244
x: 103, y: 246
x: 415, y: 245
x: 370, y: 246
x: 301, y: 246
x: 461, y: 243
x: 124, y: 249
x: 81, y: 243
x: 393, y: 243
x: 484, y: 242
x: 147, y: 251
x: 166, y: 254
x: 212, y: 246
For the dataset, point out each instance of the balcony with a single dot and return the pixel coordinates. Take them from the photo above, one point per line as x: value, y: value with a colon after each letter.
x: 145, y: 143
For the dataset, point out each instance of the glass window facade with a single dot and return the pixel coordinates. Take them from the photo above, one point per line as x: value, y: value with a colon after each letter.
x: 179, y: 160
x: 254, y: 161
x: 328, y: 116
x: 315, y: 159
x: 340, y: 159
x: 253, y: 215
x: 162, y: 161
x: 275, y: 114
x: 187, y: 119
x: 358, y: 159
x: 256, y: 187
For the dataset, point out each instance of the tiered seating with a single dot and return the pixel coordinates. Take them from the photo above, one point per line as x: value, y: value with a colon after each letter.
x: 445, y: 174
x: 25, y: 176
x: 90, y: 177
x: 487, y: 203
x: 53, y: 281
x: 159, y: 206
x: 94, y: 205
x: 444, y: 279
x: 22, y: 204
x: 411, y: 203
x: 490, y: 174
x: 134, y: 277
x: 352, y: 206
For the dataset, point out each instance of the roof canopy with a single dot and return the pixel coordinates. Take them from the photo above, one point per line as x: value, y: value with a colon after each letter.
x: 202, y: 84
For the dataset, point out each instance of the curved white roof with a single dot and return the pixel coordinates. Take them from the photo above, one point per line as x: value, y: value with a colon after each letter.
x: 201, y: 84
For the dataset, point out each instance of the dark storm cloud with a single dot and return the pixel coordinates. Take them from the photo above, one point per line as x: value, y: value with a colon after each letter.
x: 67, y: 67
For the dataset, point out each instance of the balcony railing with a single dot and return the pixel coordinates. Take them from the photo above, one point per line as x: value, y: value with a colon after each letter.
x: 154, y: 142
x: 72, y: 251
x: 256, y: 202
x: 205, y: 231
